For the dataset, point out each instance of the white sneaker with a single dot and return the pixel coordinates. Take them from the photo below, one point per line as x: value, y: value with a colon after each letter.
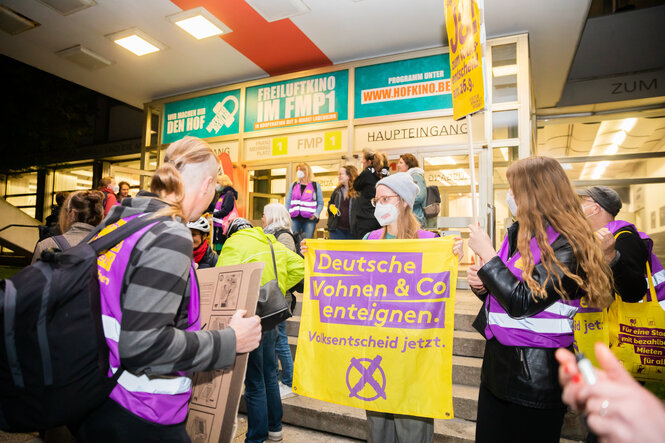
x: 285, y: 391
x: 275, y: 436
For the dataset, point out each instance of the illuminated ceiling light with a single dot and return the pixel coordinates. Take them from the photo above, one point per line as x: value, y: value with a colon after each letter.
x: 619, y: 138
x: 438, y: 161
x: 273, y: 10
x: 612, y: 149
x: 199, y: 23
x: 600, y: 169
x: 567, y: 166
x: 504, y: 71
x: 628, y: 124
x: 318, y: 169
x: 136, y: 41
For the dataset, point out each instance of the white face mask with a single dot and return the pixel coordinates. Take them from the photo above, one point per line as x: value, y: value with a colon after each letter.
x: 218, y: 188
x: 386, y: 214
x: 116, y: 189
x: 300, y: 175
x: 512, y: 205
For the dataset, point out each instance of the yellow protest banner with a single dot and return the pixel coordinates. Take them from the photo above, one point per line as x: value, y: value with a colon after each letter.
x: 463, y: 27
x: 376, y: 330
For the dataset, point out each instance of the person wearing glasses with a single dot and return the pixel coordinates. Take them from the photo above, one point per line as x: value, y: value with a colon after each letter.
x: 393, y: 209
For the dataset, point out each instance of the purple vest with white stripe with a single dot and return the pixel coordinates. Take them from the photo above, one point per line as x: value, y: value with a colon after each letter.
x: 657, y: 272
x: 377, y: 234
x: 158, y: 399
x: 551, y: 328
x: 303, y: 204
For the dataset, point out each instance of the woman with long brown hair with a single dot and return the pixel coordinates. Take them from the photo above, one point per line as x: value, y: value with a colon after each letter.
x: 549, y: 260
x: 374, y: 169
x: 341, y: 204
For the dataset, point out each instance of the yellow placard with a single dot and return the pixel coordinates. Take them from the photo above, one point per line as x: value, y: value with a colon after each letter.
x: 376, y: 330
x: 280, y: 145
x: 333, y: 141
x: 463, y: 27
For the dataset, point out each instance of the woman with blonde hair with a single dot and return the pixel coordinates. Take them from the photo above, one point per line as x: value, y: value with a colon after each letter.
x: 340, y: 206
x: 80, y: 213
x: 549, y: 260
x: 225, y: 210
x: 304, y: 200
x: 150, y: 306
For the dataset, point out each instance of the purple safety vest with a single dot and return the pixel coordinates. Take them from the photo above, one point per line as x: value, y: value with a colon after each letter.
x: 551, y: 328
x: 657, y: 271
x: 158, y: 399
x: 376, y: 235
x: 304, y: 204
x: 225, y: 222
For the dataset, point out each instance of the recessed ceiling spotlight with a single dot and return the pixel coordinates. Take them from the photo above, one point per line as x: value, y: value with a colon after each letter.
x: 199, y: 23
x: 273, y: 10
x: 84, y: 57
x: 14, y: 23
x: 66, y: 7
x: 136, y: 41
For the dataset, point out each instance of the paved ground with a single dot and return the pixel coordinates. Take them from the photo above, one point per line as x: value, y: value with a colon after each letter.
x: 291, y: 434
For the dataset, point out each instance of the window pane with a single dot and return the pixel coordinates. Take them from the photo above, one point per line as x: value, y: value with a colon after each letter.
x: 504, y: 125
x: 504, y: 73
x: 22, y: 183
x: 73, y: 179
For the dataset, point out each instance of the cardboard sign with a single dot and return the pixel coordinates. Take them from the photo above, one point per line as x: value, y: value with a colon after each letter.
x: 216, y: 394
x: 376, y: 329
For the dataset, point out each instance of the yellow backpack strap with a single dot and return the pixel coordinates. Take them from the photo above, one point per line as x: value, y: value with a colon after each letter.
x: 619, y: 233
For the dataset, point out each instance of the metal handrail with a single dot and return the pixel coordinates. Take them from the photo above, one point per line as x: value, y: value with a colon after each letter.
x: 19, y: 226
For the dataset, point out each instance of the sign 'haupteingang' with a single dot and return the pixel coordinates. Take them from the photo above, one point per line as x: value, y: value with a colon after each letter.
x: 301, y: 101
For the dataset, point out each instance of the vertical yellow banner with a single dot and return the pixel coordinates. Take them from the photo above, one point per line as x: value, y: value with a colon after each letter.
x: 463, y: 27
x: 376, y: 330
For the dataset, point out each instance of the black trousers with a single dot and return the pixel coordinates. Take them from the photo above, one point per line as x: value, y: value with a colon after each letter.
x: 502, y: 421
x: 112, y: 423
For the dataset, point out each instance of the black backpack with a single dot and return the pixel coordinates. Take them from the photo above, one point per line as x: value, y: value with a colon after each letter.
x: 433, y: 202
x: 54, y: 358
x: 297, y: 238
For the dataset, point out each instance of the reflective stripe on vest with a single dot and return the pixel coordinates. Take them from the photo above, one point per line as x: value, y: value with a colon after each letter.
x: 550, y: 328
x: 657, y: 272
x: 303, y: 204
x: 159, y: 399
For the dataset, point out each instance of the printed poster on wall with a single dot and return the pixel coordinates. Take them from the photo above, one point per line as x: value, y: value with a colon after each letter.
x: 420, y: 84
x: 376, y: 328
x: 314, y: 99
x: 209, y: 116
x: 296, y: 145
x: 463, y: 25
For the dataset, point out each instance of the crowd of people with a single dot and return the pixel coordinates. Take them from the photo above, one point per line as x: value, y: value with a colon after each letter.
x: 564, y: 248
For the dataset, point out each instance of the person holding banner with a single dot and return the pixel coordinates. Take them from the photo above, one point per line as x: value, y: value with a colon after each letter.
x: 393, y: 203
x: 304, y: 200
x: 549, y: 257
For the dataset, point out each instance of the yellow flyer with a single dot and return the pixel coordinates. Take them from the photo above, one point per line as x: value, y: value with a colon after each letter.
x: 463, y: 25
x: 376, y: 330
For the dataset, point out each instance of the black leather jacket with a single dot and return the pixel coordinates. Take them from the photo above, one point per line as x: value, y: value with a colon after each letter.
x: 522, y: 375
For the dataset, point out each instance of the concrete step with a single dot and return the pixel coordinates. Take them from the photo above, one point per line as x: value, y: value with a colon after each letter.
x: 468, y: 344
x: 346, y: 421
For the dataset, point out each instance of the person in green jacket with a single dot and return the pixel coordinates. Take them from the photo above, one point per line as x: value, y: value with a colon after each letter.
x: 248, y: 244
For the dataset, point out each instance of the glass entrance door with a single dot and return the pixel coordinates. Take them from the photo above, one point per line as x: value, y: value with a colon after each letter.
x: 449, y: 171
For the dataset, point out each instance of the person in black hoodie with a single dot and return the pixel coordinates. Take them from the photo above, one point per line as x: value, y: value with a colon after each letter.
x: 224, y: 211
x: 375, y: 166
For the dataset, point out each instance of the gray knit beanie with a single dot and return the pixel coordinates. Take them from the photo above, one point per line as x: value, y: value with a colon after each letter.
x: 403, y: 185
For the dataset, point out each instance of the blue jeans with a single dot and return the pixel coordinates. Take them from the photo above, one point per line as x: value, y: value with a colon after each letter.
x: 305, y: 226
x: 284, y: 354
x: 264, y: 404
x: 341, y: 234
